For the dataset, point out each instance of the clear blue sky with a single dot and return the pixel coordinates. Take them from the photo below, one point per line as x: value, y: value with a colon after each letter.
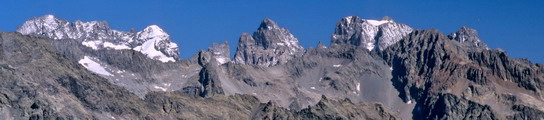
x: 514, y: 26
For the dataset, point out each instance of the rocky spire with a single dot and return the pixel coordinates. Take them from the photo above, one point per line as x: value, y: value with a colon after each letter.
x: 268, y: 24
x: 269, y: 45
x: 371, y: 34
x: 469, y: 37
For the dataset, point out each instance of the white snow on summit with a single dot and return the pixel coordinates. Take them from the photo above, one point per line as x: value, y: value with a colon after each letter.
x: 93, y: 66
x: 152, y: 32
x: 152, y: 36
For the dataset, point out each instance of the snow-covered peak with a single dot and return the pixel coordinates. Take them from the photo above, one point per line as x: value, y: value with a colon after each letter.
x: 41, y: 25
x: 98, y: 35
x: 156, y: 44
x: 365, y: 32
x: 153, y: 31
x: 49, y: 18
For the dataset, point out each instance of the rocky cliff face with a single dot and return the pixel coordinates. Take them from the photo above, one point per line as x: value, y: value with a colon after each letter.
x: 426, y: 65
x: 269, y: 45
x: 371, y: 34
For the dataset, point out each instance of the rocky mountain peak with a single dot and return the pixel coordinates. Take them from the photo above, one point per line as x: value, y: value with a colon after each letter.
x: 153, y: 31
x: 469, y: 37
x: 370, y: 34
x: 268, y: 46
x: 41, y: 25
x: 268, y: 24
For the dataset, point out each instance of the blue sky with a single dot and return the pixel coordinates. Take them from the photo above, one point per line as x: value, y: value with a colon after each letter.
x: 511, y: 25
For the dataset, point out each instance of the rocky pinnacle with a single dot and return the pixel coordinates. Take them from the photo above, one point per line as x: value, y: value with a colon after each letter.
x: 269, y: 45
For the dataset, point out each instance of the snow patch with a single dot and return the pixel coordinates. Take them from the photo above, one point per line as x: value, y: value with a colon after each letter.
x: 378, y: 22
x: 93, y: 66
x: 348, y: 19
x: 359, y: 87
x: 221, y: 60
x: 163, y: 86
x: 148, y: 48
x: 92, y: 44
x: 313, y: 88
x: 409, y: 102
x: 390, y: 68
x: 369, y: 46
x: 159, y: 87
x: 339, y: 65
x: 114, y: 46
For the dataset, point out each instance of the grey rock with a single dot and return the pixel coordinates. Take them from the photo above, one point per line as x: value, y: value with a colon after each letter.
x: 469, y: 37
x: 221, y: 52
x: 428, y: 65
x: 269, y: 45
x: 327, y: 109
x: 320, y: 45
x: 448, y: 106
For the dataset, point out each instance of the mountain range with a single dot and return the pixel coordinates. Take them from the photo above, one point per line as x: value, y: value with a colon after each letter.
x: 373, y: 69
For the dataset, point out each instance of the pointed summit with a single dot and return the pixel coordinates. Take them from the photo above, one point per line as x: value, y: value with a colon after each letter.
x: 268, y: 24
x: 468, y: 36
x: 269, y: 45
x: 152, y: 31
x: 320, y: 45
x: 42, y: 25
x: 156, y: 44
